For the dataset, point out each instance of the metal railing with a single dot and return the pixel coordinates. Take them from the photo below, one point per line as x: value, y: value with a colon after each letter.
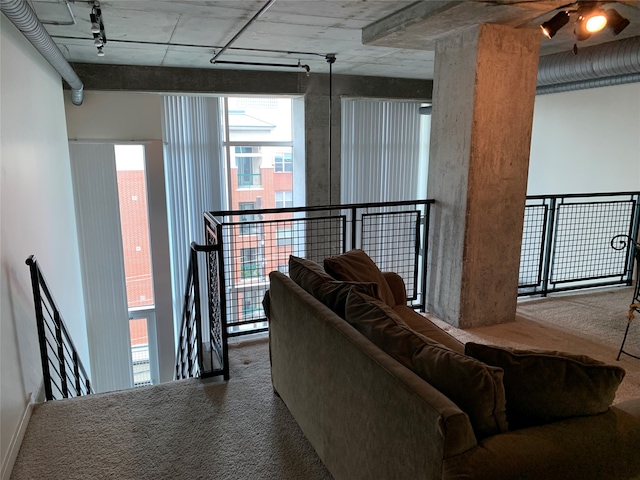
x: 63, y: 373
x: 394, y: 235
x: 565, y: 246
x: 628, y: 244
x: 565, y: 241
x: 202, y: 345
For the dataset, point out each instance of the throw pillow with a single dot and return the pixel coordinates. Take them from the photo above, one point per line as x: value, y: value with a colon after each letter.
x: 357, y: 266
x: 544, y: 386
x: 312, y: 277
x: 474, y: 387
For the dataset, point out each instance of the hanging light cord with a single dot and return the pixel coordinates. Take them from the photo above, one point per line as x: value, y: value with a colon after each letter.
x: 331, y: 59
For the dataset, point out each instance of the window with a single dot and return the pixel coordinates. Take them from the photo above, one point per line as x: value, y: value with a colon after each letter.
x: 283, y: 163
x: 284, y: 268
x: 251, y: 228
x: 250, y: 267
x: 252, y: 304
x: 284, y: 237
x: 248, y: 172
x: 284, y: 199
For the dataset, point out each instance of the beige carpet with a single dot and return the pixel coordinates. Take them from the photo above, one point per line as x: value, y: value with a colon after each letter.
x: 179, y: 430
x: 240, y: 430
x: 588, y: 323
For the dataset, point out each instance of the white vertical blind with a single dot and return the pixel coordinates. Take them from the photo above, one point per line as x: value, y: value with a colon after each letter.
x: 381, y: 151
x: 195, y: 179
x: 95, y: 190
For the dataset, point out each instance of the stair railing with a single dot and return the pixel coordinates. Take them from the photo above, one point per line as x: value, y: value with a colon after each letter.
x: 63, y: 373
x: 197, y: 356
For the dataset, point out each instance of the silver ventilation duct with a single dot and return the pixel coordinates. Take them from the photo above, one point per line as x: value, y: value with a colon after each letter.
x: 24, y: 18
x: 612, y: 63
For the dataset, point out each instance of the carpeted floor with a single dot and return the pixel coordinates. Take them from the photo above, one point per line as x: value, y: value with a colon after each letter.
x: 240, y: 430
x: 179, y: 430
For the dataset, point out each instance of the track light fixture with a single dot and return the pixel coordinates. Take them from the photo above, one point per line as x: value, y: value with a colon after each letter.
x: 616, y: 22
x: 97, y: 28
x: 551, y: 27
x: 589, y: 19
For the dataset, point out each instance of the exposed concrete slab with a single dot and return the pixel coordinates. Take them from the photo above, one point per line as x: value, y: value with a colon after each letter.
x: 420, y: 25
x: 484, y: 94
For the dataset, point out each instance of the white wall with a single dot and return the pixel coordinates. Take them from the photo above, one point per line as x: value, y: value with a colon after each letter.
x: 37, y: 218
x: 586, y: 141
x: 115, y: 116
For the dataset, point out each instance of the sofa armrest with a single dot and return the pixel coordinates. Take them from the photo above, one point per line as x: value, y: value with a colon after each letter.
x: 396, y: 284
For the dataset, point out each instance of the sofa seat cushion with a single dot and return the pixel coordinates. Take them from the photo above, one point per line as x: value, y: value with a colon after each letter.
x: 473, y: 386
x: 357, y: 266
x: 312, y: 277
x: 545, y: 386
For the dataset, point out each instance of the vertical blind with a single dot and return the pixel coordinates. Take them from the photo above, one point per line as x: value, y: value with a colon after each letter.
x: 383, y: 152
x: 95, y: 191
x: 195, y: 181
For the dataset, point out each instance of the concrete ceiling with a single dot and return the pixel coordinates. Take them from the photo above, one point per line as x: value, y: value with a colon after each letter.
x: 388, y: 38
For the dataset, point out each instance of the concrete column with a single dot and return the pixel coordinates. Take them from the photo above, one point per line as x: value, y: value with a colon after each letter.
x: 484, y: 91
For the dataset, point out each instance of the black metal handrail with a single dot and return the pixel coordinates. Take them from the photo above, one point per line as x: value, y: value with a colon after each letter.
x: 196, y: 355
x: 632, y: 248
x: 254, y: 242
x: 565, y: 243
x: 62, y: 368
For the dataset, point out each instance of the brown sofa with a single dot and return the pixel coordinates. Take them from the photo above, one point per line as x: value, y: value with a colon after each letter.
x: 369, y: 416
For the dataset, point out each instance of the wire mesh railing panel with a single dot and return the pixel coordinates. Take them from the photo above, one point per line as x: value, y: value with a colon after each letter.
x: 531, y: 254
x: 583, y: 232
x: 400, y: 255
x: 256, y: 242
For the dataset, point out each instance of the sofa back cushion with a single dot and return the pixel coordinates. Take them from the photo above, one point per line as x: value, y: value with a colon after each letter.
x: 312, y: 277
x: 357, y: 266
x: 473, y: 386
x: 544, y: 386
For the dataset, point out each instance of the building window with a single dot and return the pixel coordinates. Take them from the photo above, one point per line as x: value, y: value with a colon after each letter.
x: 284, y: 268
x: 283, y: 162
x: 252, y: 304
x: 250, y: 267
x: 250, y: 228
x: 284, y: 199
x: 284, y: 237
x: 248, y: 172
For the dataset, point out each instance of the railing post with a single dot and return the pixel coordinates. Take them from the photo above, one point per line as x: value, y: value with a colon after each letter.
x: 425, y: 252
x: 76, y: 374
x: 222, y: 286
x: 37, y: 299
x: 61, y: 362
x: 197, y: 305
x: 546, y: 268
x: 633, y: 234
x: 354, y: 212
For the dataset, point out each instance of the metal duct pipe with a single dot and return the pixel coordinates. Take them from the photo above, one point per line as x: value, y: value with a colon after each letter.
x: 599, y: 62
x: 24, y: 18
x: 585, y: 84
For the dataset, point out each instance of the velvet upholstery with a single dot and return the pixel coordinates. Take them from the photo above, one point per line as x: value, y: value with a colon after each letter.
x: 365, y: 414
x: 472, y: 385
x: 368, y: 416
x: 312, y: 277
x: 357, y: 266
x: 545, y: 386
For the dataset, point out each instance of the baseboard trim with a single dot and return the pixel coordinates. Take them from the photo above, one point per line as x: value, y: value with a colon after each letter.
x: 16, y: 441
